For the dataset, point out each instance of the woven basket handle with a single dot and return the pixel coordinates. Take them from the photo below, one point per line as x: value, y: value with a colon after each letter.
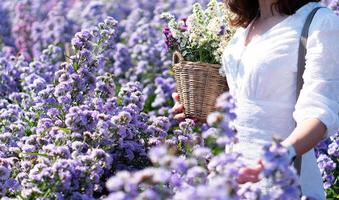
x: 177, y: 58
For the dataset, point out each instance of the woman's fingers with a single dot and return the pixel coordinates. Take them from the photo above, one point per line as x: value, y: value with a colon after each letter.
x: 250, y: 170
x: 178, y: 108
x: 247, y: 178
x: 249, y: 174
x: 180, y: 116
x: 175, y: 96
x: 260, y: 164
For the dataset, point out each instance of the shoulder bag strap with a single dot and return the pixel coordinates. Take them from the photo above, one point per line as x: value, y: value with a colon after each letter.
x: 301, y: 68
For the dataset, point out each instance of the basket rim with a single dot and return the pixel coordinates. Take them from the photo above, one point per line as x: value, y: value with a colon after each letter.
x: 178, y: 59
x: 196, y: 64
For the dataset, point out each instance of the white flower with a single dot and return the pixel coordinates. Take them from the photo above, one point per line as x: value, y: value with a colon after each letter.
x: 173, y: 26
x: 199, y: 14
x: 168, y: 16
x: 222, y: 9
x: 214, y: 118
x: 212, y: 9
x: 207, y: 30
x: 192, y: 23
x: 215, y: 25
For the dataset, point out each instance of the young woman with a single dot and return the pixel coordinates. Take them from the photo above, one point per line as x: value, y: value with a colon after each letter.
x: 260, y: 63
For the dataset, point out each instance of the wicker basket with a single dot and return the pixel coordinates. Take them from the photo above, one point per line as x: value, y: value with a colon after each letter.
x: 198, y: 85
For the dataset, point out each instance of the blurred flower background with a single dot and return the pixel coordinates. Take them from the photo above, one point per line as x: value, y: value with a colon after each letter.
x: 85, y: 98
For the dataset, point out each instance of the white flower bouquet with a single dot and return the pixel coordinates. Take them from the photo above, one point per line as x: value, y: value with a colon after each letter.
x: 202, y: 36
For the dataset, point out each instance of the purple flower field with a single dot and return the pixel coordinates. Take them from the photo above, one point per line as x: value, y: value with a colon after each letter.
x: 85, y: 100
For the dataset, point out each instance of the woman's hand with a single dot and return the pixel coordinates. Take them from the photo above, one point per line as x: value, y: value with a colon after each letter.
x: 250, y: 174
x: 178, y: 108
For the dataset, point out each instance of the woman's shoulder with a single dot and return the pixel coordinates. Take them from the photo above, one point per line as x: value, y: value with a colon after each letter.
x: 323, y: 43
x: 325, y: 19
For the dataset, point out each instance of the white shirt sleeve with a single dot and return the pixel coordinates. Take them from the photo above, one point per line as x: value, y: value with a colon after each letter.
x: 319, y: 97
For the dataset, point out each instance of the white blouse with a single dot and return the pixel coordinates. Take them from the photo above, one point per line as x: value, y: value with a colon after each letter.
x: 263, y: 75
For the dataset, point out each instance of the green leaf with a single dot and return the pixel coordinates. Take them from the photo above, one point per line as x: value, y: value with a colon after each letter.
x: 148, y: 103
x: 28, y: 132
x: 117, y: 87
x: 120, y: 102
x: 21, y: 197
x: 75, y: 66
x: 66, y: 130
x: 170, y: 103
x: 217, y: 150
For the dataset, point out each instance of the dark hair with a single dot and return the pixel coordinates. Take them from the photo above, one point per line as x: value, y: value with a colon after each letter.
x: 246, y: 10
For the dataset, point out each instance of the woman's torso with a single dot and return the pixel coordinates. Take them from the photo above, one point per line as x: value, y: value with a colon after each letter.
x: 262, y: 76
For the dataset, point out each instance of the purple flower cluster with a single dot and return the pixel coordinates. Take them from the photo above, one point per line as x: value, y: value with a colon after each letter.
x: 165, y: 86
x: 6, y: 182
x: 280, y: 173
x: 141, y: 53
x: 38, y: 24
x: 93, y: 12
x: 76, y: 110
x: 222, y: 120
x: 327, y: 166
x: 189, y: 165
x: 327, y: 153
x: 56, y: 29
x: 6, y: 38
x: 177, y: 178
x: 122, y: 60
x: 334, y: 5
x: 170, y: 40
x: 22, y: 27
x: 67, y: 133
x: 9, y: 76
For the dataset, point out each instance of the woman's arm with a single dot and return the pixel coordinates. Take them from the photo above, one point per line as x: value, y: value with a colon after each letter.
x: 306, y: 136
